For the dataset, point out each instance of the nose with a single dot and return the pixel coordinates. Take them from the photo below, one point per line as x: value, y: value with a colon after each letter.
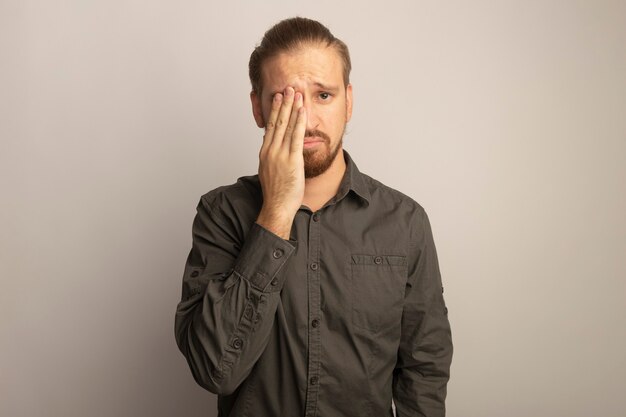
x: 312, y: 120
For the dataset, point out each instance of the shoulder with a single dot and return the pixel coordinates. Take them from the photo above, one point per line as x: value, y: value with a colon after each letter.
x: 238, y: 202
x: 244, y: 190
x: 403, y: 209
x: 386, y: 196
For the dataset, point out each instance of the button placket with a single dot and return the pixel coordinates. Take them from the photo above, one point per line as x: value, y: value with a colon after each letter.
x: 314, y: 312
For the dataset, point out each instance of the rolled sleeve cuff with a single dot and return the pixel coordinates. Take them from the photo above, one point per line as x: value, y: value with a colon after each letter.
x: 261, y: 258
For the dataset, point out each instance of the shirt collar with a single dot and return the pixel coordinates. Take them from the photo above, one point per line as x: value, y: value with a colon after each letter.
x: 353, y: 180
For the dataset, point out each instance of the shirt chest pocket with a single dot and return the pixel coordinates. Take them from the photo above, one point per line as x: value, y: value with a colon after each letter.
x: 378, y: 283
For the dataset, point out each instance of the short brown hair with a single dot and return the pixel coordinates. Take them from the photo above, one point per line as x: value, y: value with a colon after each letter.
x: 291, y: 34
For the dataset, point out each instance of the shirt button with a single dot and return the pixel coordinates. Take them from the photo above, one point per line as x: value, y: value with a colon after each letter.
x: 378, y: 260
x: 195, y: 274
x: 315, y: 323
x: 277, y: 253
x: 274, y: 282
x: 316, y: 217
x: 237, y: 343
x: 313, y: 380
x: 314, y: 266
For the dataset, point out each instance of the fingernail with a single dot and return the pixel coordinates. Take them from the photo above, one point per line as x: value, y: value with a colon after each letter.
x: 289, y: 91
x: 298, y: 96
x: 277, y: 97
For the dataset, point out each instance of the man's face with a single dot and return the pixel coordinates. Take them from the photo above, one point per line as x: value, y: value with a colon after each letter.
x: 316, y: 71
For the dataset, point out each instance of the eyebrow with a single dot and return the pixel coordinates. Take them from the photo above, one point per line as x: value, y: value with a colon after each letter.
x: 330, y: 88
x: 326, y: 87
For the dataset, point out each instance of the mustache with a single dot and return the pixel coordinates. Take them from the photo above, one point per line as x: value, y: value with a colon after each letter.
x: 318, y: 133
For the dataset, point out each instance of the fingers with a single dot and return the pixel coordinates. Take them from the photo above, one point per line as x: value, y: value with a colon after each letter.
x: 288, y: 138
x: 271, y: 122
x: 283, y: 118
x: 286, y: 125
x: 297, y: 138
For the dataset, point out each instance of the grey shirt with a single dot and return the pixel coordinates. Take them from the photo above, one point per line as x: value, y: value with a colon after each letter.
x: 336, y: 321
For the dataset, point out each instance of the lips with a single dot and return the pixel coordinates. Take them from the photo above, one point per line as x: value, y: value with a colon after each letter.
x: 312, y: 140
x: 312, y: 143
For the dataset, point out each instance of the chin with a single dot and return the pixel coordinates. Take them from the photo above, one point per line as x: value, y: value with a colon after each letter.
x: 317, y: 161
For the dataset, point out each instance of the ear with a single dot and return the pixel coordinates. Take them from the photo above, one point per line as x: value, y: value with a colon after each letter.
x: 348, y: 102
x: 257, y: 111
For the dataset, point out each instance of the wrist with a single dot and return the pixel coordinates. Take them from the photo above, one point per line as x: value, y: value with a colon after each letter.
x: 277, y: 223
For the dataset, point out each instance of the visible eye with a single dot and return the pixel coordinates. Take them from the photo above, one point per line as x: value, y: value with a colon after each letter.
x: 325, y: 96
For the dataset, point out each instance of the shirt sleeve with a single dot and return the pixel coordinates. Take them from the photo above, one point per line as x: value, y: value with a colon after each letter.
x: 230, y: 293
x: 425, y: 353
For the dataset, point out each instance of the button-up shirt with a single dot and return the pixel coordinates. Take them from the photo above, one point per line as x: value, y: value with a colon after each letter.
x: 338, y: 320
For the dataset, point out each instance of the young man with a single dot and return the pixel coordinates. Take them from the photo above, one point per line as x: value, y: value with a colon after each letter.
x: 312, y: 289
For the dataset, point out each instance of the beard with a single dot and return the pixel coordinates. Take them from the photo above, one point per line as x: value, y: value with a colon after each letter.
x: 318, y: 159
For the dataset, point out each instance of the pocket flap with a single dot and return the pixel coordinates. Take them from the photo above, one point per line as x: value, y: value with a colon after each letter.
x: 396, y: 260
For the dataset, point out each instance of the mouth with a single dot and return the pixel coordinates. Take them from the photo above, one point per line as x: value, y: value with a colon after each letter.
x: 312, y: 141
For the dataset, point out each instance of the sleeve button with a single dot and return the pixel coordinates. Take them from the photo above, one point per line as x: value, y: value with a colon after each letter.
x: 237, y: 343
x: 195, y: 274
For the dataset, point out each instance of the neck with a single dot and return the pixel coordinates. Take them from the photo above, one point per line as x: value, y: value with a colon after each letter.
x: 320, y: 189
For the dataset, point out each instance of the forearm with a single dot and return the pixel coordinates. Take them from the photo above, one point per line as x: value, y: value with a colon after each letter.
x: 224, y: 320
x: 223, y: 332
x: 425, y: 352
x: 423, y: 369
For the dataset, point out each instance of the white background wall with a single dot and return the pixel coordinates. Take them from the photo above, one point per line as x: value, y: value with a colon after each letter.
x: 506, y: 120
